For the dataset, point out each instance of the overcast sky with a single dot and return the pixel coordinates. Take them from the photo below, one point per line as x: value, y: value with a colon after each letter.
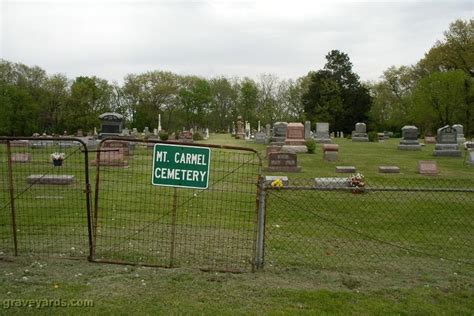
x: 111, y: 38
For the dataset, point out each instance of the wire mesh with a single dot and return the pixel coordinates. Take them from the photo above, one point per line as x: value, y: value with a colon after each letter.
x: 400, y: 229
x: 42, y: 205
x: 137, y: 222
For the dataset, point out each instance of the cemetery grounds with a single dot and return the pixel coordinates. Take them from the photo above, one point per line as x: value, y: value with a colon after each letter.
x: 321, y: 256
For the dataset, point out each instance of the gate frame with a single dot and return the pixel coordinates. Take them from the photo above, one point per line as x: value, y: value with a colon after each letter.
x: 259, y: 225
x: 87, y: 191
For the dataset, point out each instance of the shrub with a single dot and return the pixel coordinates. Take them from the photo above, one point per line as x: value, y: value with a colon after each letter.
x: 372, y: 136
x: 163, y: 135
x: 197, y: 136
x: 310, y: 145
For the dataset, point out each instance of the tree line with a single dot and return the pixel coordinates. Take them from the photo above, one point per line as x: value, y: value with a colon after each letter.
x: 436, y: 91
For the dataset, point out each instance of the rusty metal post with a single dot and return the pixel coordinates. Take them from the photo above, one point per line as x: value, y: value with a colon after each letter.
x: 12, y: 196
x: 173, y: 226
x: 260, y: 224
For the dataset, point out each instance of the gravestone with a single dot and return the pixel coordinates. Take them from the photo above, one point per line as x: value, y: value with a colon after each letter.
x: 430, y: 140
x: 332, y: 183
x: 322, y: 133
x: 19, y: 143
x: 389, y: 169
x: 125, y: 132
x: 186, y: 137
x: 247, y: 130
x: 360, y: 133
x: 110, y: 124
x: 307, y: 130
x: 134, y: 132
x: 279, y: 133
x: 268, y: 131
x: 470, y: 157
x: 239, y: 128
x: 381, y: 137
x: 270, y: 179
x: 21, y: 157
x: 446, y: 142
x: 346, y: 169
x: 117, y: 144
x: 206, y: 133
x: 260, y: 138
x: 294, y: 140
x: 409, y: 138
x: 111, y: 158
x: 146, y: 131
x: 50, y: 179
x: 282, y: 162
x: 272, y: 149
x: 460, y: 133
x: 330, y: 152
x: 427, y: 167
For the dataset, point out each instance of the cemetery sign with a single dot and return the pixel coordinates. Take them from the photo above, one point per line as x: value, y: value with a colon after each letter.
x: 181, y: 166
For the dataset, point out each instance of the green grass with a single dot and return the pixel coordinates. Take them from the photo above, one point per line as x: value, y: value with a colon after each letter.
x: 326, y: 252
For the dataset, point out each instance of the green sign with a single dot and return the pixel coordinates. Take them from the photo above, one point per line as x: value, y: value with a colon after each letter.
x: 181, y: 166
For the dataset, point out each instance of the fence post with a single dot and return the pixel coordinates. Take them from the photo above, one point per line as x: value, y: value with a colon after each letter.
x: 260, y: 223
x: 12, y: 196
x: 173, y: 226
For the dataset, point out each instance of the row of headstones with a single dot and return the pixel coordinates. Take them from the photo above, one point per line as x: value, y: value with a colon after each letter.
x: 287, y: 163
x: 447, y: 140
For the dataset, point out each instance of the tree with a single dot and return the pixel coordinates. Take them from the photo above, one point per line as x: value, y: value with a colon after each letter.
x: 247, y: 101
x: 322, y: 101
x: 455, y: 51
x: 223, y: 104
x: 442, y: 98
x: 90, y: 96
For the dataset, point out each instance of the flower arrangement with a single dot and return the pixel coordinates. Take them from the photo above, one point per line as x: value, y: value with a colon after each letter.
x: 356, y: 180
x: 278, y: 183
x: 58, y: 156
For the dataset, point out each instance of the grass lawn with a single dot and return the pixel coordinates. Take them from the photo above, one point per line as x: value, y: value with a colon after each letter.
x: 326, y: 252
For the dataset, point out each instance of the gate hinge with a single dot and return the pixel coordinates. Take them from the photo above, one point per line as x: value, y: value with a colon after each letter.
x: 88, y: 188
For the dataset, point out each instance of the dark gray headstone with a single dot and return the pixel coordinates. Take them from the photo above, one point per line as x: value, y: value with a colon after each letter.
x: 409, y: 138
x: 446, y: 142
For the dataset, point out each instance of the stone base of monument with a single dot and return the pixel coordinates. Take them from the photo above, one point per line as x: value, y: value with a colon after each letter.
x: 50, y: 179
x: 294, y: 149
x: 277, y: 141
x: 330, y: 155
x: 447, y: 150
x: 414, y: 146
x: 240, y: 135
x: 389, y: 169
x: 447, y: 153
x: 360, y: 137
x: 323, y: 140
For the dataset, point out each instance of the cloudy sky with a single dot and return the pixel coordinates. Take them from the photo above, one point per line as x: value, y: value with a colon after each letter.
x: 111, y: 38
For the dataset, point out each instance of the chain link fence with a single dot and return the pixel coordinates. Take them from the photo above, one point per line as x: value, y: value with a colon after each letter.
x: 393, y: 228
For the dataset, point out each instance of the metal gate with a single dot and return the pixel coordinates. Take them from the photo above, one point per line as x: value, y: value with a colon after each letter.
x: 44, y: 207
x: 136, y: 222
